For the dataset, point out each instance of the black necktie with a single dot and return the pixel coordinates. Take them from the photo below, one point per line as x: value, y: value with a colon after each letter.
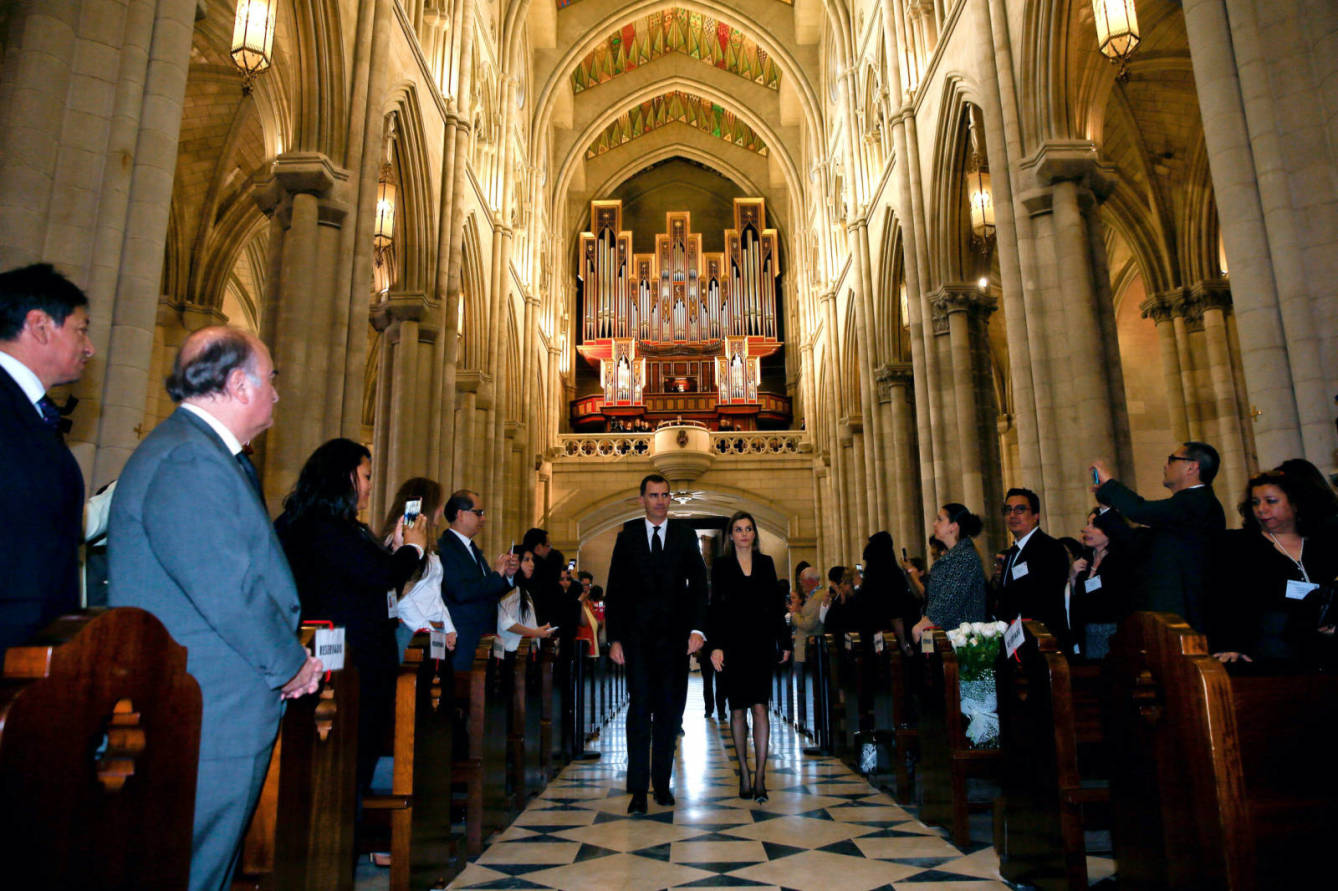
x: 250, y: 470
x: 50, y: 412
x: 1008, y: 563
x: 478, y: 558
x: 656, y: 549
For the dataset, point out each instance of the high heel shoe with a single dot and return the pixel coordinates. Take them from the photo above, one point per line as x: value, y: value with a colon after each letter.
x: 760, y: 794
x: 745, y: 788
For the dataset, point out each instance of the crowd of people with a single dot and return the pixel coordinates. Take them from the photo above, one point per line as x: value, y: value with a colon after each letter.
x: 190, y: 540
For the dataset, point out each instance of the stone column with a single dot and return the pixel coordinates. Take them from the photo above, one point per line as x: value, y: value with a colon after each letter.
x: 466, y: 414
x: 967, y: 310
x: 305, y: 193
x: 1158, y: 310
x: 1215, y: 298
x: 865, y: 518
x: 897, y: 385
x: 408, y: 326
x: 1236, y: 189
x: 176, y: 320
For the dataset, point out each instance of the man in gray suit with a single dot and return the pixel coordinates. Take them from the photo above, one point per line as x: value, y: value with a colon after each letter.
x: 191, y: 542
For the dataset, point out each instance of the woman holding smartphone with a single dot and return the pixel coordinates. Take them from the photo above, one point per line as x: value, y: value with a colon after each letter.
x: 343, y: 573
x: 745, y: 634
x: 421, y: 606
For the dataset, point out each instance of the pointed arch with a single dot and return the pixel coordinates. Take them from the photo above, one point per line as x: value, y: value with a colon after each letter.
x: 473, y: 299
x: 415, y: 223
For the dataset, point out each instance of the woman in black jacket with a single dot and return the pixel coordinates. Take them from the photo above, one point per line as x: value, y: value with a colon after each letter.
x: 343, y: 575
x: 745, y: 633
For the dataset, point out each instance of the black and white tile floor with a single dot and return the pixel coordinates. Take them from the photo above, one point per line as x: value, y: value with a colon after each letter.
x: 824, y: 828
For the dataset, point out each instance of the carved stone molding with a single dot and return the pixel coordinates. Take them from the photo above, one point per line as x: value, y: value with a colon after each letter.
x: 959, y: 297
x: 1212, y: 294
x: 1157, y: 308
x: 892, y: 376
x: 303, y: 173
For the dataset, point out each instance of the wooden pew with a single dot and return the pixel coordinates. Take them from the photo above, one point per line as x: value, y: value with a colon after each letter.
x: 517, y: 675
x: 885, y: 706
x: 541, y: 712
x: 1050, y: 732
x: 99, y: 746
x: 469, y: 690
x: 301, y: 835
x: 1219, y: 780
x: 947, y: 758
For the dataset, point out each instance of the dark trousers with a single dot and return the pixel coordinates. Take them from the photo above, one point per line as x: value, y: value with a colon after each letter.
x: 712, y: 695
x: 657, y: 686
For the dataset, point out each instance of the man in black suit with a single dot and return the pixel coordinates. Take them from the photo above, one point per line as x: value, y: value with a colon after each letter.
x: 1180, y: 529
x: 654, y: 609
x: 1029, y: 577
x: 43, y: 343
x: 469, y: 587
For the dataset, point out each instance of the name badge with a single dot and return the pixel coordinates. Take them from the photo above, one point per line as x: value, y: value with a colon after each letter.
x: 927, y: 643
x: 392, y: 608
x: 329, y: 646
x: 878, y: 642
x: 1014, y: 637
x: 849, y: 643
x: 1092, y: 584
x: 437, y: 646
x: 1298, y: 590
x: 1019, y: 570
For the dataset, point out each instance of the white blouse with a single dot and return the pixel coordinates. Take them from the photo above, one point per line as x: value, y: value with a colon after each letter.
x: 422, y: 605
x: 508, y: 614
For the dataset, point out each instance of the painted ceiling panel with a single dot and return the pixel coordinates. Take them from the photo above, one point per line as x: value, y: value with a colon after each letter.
x: 676, y: 107
x: 675, y: 31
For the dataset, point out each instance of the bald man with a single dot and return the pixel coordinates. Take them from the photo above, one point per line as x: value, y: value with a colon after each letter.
x: 190, y: 541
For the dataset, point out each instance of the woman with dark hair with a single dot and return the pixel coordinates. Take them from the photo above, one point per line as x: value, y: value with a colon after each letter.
x: 1101, y: 583
x: 745, y: 632
x: 343, y: 574
x: 955, y: 592
x: 1271, y: 580
x: 886, y: 597
x: 515, y: 611
x: 421, y: 606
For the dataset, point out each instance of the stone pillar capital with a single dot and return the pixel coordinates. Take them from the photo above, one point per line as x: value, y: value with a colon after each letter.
x: 1159, y: 307
x: 962, y: 297
x: 406, y: 306
x: 1213, y: 293
x: 827, y: 296
x: 1078, y: 161
x: 893, y: 375
x: 190, y: 316
x: 303, y: 173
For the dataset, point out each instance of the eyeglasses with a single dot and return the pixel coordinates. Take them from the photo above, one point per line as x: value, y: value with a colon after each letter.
x: 1170, y: 458
x: 1015, y: 509
x: 477, y: 511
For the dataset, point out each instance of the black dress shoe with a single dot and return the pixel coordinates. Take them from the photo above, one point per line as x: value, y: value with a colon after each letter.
x: 638, y: 804
x: 665, y: 798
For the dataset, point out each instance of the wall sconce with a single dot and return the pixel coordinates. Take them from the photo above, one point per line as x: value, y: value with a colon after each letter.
x: 1117, y: 32
x: 383, y: 232
x: 982, y: 202
x: 253, y: 39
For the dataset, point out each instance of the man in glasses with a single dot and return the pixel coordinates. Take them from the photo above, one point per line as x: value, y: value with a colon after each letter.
x: 1029, y: 577
x: 469, y: 586
x: 1180, y: 529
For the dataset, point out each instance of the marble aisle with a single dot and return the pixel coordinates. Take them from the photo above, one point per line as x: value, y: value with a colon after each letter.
x: 823, y: 828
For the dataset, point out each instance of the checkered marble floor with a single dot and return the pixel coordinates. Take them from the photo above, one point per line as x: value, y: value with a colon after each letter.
x: 824, y: 827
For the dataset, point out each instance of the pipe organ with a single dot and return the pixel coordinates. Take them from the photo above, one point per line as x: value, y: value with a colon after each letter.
x: 680, y: 332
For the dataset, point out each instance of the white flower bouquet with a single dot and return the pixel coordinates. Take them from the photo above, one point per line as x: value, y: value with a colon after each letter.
x: 977, y: 647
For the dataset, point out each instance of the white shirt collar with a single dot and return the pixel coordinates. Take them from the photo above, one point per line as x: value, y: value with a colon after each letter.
x: 1022, y: 542
x: 650, y: 531
x: 469, y: 542
x: 24, y: 376
x: 229, y: 440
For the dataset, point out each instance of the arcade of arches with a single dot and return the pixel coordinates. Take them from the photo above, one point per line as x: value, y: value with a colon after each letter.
x: 989, y: 253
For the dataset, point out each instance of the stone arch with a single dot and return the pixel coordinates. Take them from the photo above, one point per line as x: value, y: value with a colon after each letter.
x: 610, y: 513
x: 950, y: 258
x: 892, y: 343
x: 850, y: 372
x: 473, y: 299
x: 415, y: 223
x: 319, y: 78
x: 1044, y: 72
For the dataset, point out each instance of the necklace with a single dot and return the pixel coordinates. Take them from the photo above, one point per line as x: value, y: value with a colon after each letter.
x: 1297, y: 559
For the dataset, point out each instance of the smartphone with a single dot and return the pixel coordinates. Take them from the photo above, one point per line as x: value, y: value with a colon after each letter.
x: 904, y: 558
x: 571, y: 564
x: 412, y: 508
x: 552, y: 628
x: 1096, y: 478
x: 859, y: 567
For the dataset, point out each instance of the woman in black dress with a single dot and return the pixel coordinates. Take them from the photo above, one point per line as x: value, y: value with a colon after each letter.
x: 343, y: 573
x: 745, y: 632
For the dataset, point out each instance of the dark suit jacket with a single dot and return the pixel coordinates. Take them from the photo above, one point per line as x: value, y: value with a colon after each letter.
x: 191, y: 542
x: 643, y: 602
x: 1040, y: 593
x: 469, y: 594
x: 1176, y: 552
x: 42, y: 501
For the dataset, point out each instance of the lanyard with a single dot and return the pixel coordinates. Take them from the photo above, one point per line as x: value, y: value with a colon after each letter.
x: 1305, y: 577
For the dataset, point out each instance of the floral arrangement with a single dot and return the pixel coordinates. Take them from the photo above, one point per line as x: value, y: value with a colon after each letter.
x: 977, y: 647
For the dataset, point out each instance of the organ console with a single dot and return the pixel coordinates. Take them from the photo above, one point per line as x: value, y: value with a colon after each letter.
x: 680, y: 333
